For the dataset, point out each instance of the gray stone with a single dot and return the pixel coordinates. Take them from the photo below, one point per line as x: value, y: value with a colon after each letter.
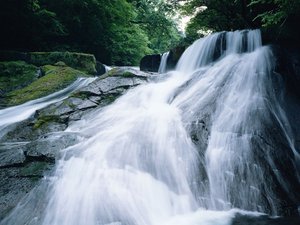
x: 51, y: 145
x: 16, y: 182
x: 11, y: 154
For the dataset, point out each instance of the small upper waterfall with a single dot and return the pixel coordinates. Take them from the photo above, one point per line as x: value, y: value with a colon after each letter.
x: 188, y: 149
x: 163, y: 63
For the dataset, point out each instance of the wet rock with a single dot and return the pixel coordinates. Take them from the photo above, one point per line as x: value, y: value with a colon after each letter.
x: 19, y: 132
x: 11, y: 154
x: 264, y: 220
x: 50, y: 146
x: 288, y: 69
x: 150, y: 63
x: 174, y: 57
x: 17, y: 181
x: 199, y: 133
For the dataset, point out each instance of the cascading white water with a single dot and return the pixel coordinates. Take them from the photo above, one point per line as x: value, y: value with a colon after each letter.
x: 139, y: 165
x: 163, y: 63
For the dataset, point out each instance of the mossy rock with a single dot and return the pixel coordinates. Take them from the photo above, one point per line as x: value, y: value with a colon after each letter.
x: 60, y: 63
x: 55, y: 78
x: 35, y: 169
x: 80, y: 61
x: 128, y: 74
x: 15, y: 75
x: 81, y: 94
x: 43, y: 120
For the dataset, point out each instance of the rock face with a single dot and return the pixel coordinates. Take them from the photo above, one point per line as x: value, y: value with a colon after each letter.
x: 174, y: 57
x: 150, y: 63
x: 288, y: 64
x: 28, y: 149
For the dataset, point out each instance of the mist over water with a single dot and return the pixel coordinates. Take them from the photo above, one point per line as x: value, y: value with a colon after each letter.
x: 140, y: 165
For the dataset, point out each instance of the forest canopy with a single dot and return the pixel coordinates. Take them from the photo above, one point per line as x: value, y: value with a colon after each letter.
x: 275, y: 17
x: 121, y: 32
x: 118, y: 32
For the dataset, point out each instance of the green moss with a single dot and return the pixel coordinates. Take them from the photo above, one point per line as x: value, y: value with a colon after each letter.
x: 128, y: 74
x: 112, y: 72
x: 60, y: 63
x: 117, y: 72
x: 68, y: 102
x: 81, y: 94
x: 16, y: 74
x: 108, y: 99
x: 80, y: 61
x: 55, y: 78
x: 46, y: 119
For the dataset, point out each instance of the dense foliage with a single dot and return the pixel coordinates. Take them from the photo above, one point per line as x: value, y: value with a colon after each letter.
x: 277, y: 17
x: 120, y: 32
x: 116, y: 31
x: 155, y: 18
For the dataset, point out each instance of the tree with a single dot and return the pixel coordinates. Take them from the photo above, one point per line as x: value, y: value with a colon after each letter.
x: 117, y: 31
x: 217, y: 15
x: 26, y: 25
x: 155, y: 17
x: 274, y: 12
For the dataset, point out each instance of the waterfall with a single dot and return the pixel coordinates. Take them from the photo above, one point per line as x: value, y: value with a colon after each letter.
x: 189, y: 149
x: 163, y: 63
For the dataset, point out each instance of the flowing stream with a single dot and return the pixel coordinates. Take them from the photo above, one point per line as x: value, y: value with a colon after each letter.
x: 140, y: 165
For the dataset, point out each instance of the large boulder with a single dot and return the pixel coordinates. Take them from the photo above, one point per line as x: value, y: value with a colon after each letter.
x: 174, y: 57
x: 150, y: 63
x: 54, y: 78
x: 81, y: 61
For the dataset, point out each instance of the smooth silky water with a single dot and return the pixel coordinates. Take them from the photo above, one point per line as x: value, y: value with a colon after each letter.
x: 163, y: 63
x: 138, y: 164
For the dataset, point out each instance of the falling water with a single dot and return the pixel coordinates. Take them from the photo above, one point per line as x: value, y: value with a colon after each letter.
x: 163, y: 63
x: 139, y: 163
